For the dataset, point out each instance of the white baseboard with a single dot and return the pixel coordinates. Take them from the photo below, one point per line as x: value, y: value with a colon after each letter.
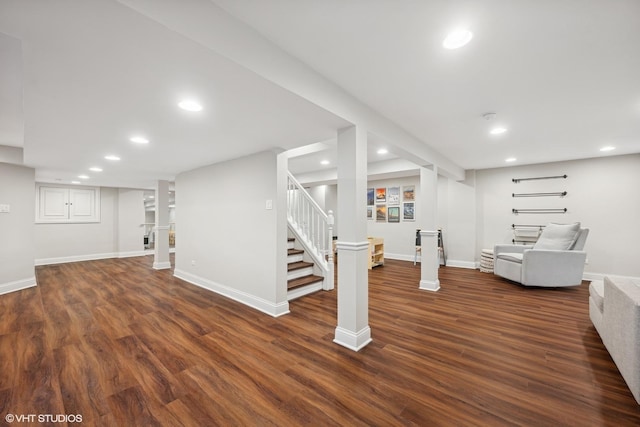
x: 162, y: 265
x: 450, y: 262
x: 253, y: 301
x: 353, y: 340
x: 17, y: 285
x: 131, y: 254
x: 462, y: 264
x: 600, y: 276
x: 75, y: 258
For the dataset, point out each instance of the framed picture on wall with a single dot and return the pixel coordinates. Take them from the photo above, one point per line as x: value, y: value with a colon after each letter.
x: 381, y: 195
x: 409, y: 193
x: 369, y: 212
x: 408, y: 211
x: 371, y: 198
x: 381, y: 213
x: 393, y: 213
x: 393, y: 195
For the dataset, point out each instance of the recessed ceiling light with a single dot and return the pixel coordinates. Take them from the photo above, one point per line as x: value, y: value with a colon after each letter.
x: 75, y: 182
x: 95, y: 169
x: 497, y: 131
x: 607, y: 148
x: 190, y: 105
x: 510, y: 159
x: 457, y: 38
x: 324, y: 162
x: 383, y: 151
x: 112, y: 157
x: 83, y: 176
x: 139, y: 140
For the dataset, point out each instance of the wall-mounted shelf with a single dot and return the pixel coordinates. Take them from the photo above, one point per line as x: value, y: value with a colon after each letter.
x: 558, y: 194
x: 539, y: 211
x: 517, y: 180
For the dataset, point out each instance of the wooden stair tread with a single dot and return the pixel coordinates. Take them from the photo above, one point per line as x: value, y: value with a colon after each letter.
x: 303, y: 281
x: 294, y: 251
x: 298, y: 265
x: 291, y: 239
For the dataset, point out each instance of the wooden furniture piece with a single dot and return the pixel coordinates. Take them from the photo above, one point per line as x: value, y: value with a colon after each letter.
x: 376, y: 251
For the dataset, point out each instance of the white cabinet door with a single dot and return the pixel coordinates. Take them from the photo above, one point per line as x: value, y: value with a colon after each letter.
x: 53, y: 204
x: 82, y: 206
x: 67, y: 204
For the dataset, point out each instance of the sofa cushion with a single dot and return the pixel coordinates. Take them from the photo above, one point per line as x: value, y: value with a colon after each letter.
x: 511, y: 256
x: 596, y: 291
x: 559, y: 237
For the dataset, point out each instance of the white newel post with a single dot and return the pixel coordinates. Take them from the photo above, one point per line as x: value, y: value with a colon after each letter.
x: 161, y: 258
x: 328, y: 283
x: 353, y: 329
x: 429, y: 234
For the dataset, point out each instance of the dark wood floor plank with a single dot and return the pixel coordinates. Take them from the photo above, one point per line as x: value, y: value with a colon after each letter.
x: 124, y: 344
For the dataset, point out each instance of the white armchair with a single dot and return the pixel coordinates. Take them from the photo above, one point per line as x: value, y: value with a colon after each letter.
x: 557, y: 259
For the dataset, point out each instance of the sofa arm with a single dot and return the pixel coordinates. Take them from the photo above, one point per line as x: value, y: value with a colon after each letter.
x: 510, y: 249
x: 543, y: 267
x: 621, y: 329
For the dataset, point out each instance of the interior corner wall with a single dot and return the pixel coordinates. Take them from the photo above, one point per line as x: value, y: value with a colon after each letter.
x: 601, y: 195
x: 229, y: 242
x: 56, y: 243
x: 457, y: 219
x: 131, y: 216
x: 17, y: 253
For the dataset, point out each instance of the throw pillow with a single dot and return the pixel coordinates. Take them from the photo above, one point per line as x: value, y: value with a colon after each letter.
x: 558, y: 237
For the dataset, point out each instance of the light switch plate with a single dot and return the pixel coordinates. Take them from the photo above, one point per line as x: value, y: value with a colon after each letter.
x: 5, y: 208
x: 269, y: 204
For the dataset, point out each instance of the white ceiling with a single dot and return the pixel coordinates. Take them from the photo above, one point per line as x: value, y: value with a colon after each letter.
x: 562, y: 76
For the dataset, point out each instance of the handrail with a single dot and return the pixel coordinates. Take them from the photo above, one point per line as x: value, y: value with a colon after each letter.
x: 312, y: 226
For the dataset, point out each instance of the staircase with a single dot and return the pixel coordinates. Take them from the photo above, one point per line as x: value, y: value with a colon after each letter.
x: 301, y: 279
x: 312, y: 240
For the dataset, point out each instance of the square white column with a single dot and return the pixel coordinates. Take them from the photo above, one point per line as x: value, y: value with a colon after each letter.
x: 353, y: 329
x: 161, y: 258
x: 428, y: 199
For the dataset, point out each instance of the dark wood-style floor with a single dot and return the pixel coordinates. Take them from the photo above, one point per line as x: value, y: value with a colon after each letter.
x: 122, y: 344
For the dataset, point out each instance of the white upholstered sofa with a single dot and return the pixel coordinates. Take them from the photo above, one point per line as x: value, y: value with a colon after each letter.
x: 614, y: 309
x: 557, y: 259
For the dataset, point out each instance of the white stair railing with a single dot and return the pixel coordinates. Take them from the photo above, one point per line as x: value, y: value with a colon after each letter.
x: 312, y: 227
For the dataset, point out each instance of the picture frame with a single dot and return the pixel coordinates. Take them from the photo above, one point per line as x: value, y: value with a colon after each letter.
x: 409, y: 193
x: 381, y: 213
x: 409, y: 211
x: 371, y: 197
x: 393, y: 213
x: 393, y: 195
x: 381, y: 195
x: 370, y: 212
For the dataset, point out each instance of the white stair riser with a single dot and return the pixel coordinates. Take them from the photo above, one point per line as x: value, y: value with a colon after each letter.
x: 304, y: 290
x: 290, y: 245
x: 294, y: 258
x: 299, y: 273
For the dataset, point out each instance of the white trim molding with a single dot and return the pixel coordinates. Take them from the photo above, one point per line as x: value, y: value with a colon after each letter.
x: 353, y: 341
x: 268, y: 307
x: 162, y: 265
x: 352, y: 246
x: 75, y: 258
x: 17, y: 285
x: 601, y: 276
x: 462, y: 264
x: 131, y: 254
x: 430, y: 285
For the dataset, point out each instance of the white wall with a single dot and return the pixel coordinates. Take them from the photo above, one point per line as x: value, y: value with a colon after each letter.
x: 399, y: 238
x: 131, y: 215
x: 16, y: 228
x: 228, y: 241
x: 602, y: 195
x: 117, y: 234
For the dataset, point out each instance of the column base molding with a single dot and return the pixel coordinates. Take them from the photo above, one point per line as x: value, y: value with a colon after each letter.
x: 161, y: 265
x: 430, y: 285
x: 353, y: 340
